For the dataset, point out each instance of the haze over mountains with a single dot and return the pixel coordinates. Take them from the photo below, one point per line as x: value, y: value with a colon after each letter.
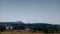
x: 18, y: 22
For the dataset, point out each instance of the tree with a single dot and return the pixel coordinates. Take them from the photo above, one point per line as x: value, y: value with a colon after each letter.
x: 2, y: 28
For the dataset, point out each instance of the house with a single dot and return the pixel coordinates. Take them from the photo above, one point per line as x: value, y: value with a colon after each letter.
x: 9, y: 27
x: 27, y: 29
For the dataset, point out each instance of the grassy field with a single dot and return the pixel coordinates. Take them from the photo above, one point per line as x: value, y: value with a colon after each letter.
x: 17, y: 32
x: 24, y: 32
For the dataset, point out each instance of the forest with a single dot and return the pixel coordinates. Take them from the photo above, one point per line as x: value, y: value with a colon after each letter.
x: 34, y: 27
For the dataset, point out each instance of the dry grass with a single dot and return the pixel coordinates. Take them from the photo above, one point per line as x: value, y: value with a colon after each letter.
x: 19, y: 32
x: 23, y: 32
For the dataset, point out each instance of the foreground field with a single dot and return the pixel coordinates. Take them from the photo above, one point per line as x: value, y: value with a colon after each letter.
x: 18, y: 32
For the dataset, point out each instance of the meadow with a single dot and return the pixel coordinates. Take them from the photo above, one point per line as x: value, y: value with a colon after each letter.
x: 18, y: 32
x: 24, y: 32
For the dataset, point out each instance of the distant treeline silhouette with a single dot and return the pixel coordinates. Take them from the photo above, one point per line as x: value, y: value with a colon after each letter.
x: 40, y: 27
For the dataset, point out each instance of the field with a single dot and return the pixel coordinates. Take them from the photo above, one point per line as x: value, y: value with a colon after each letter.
x: 19, y: 32
x: 24, y: 32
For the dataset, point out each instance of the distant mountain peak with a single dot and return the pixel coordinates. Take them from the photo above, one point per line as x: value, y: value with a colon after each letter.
x: 19, y: 22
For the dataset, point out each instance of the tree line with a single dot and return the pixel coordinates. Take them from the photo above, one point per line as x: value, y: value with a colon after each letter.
x: 46, y: 28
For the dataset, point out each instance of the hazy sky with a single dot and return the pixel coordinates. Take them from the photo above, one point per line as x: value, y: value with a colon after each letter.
x: 41, y: 11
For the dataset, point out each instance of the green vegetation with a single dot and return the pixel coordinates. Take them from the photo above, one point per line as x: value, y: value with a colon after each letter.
x: 35, y: 27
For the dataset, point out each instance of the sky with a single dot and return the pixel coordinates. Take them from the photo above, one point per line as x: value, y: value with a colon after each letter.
x: 30, y: 11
